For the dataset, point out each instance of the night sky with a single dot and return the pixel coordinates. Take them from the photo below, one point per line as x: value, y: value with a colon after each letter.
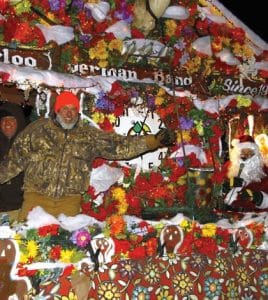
x: 252, y: 13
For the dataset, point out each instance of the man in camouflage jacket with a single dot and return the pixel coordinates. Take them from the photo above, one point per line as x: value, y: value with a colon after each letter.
x: 56, y: 155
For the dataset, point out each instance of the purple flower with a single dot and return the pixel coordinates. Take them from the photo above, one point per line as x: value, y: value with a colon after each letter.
x: 151, y: 102
x: 186, y: 123
x: 54, y: 5
x: 78, y: 4
x: 85, y: 38
x: 81, y: 238
x: 123, y: 14
x: 104, y: 103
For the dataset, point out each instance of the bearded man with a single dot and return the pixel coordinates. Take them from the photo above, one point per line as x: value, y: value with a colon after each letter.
x: 56, y: 156
x: 247, y: 174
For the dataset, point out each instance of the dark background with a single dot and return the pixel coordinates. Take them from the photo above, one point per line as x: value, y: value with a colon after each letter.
x: 252, y: 13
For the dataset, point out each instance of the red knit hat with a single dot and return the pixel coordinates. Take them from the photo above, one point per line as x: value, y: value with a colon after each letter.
x: 66, y: 98
x: 246, y: 138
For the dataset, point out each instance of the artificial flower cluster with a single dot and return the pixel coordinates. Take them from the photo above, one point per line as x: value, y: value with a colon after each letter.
x: 51, y: 243
x: 133, y: 239
x: 92, y: 22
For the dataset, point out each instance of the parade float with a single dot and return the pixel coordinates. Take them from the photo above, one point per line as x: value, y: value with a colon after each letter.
x: 155, y: 227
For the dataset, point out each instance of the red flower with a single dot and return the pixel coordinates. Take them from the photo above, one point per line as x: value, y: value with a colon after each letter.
x: 68, y: 271
x: 48, y: 229
x: 122, y: 246
x: 102, y: 26
x: 138, y: 253
x: 25, y: 272
x: 151, y: 247
x: 136, y: 34
x: 55, y: 252
x: 134, y: 204
x: 4, y: 76
x: 238, y: 35
x: 218, y: 177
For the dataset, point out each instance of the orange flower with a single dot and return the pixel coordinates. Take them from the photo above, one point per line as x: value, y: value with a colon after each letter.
x: 116, y: 224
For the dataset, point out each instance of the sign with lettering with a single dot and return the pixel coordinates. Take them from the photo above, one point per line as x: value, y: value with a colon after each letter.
x: 40, y: 58
x: 134, y: 73
x: 178, y: 79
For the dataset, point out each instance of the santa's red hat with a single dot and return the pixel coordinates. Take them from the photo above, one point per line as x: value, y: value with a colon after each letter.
x: 66, y: 98
x: 245, y: 142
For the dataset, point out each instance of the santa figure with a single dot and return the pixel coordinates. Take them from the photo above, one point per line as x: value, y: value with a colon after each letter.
x: 247, y: 177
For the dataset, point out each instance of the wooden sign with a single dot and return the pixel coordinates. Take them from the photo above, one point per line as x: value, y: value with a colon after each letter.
x: 46, y: 58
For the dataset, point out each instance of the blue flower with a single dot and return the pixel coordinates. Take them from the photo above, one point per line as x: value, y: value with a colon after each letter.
x: 186, y: 123
x: 212, y: 288
x: 263, y: 282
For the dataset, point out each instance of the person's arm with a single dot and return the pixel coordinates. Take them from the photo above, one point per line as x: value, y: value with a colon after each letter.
x: 16, y: 159
x: 112, y: 146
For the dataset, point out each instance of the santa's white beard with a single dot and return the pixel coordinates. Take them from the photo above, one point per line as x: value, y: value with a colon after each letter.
x: 250, y: 170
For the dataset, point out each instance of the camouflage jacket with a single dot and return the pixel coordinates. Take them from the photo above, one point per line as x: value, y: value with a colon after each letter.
x: 58, y: 162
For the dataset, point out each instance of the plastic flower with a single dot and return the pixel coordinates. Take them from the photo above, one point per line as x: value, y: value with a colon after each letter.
x: 115, y: 44
x: 98, y: 117
x: 209, y: 230
x: 118, y: 193
x: 186, y: 225
x: 116, y: 224
x: 243, y: 101
x: 81, y: 238
x: 171, y: 27
x: 32, y: 248
x: 23, y: 258
x: 21, y: 7
x: 66, y: 256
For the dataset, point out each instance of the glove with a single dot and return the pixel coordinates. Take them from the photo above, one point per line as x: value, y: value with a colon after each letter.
x: 238, y: 182
x: 164, y: 138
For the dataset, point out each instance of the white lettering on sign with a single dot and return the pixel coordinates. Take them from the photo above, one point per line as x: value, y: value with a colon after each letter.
x: 163, y: 79
x: 234, y: 86
x: 84, y: 69
x: 16, y: 59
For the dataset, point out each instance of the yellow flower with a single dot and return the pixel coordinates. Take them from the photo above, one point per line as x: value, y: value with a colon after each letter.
x: 209, y: 230
x: 182, y: 180
x: 159, y: 100
x: 71, y: 296
x: 32, y: 248
x: 98, y: 117
x: 185, y: 224
x: 116, y: 44
x: 161, y: 92
x: 92, y: 53
x: 122, y: 207
x: 103, y: 63
x: 203, y: 2
x: 23, y: 258
x: 118, y: 193
x: 111, y: 118
x: 171, y: 27
x: 243, y: 101
x: 66, y: 256
x: 17, y: 237
x: 193, y: 64
x: 242, y: 50
x: 201, y: 181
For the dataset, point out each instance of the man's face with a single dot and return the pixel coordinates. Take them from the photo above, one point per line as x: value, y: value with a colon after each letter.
x: 67, y: 116
x: 68, y: 113
x: 8, y: 126
x: 246, y: 153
